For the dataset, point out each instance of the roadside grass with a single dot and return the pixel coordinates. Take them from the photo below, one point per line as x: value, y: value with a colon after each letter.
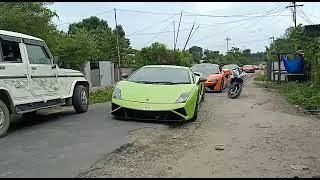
x: 101, y: 95
x: 303, y: 94
x: 260, y: 77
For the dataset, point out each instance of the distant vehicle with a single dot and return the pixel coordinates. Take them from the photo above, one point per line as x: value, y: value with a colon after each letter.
x: 217, y: 79
x: 159, y: 92
x: 30, y: 79
x: 256, y: 67
x: 230, y: 67
x: 248, y: 69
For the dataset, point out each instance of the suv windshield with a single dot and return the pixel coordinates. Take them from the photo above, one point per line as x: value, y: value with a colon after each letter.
x: 206, y: 69
x: 161, y: 75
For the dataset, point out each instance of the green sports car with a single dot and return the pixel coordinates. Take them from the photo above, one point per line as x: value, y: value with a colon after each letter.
x: 159, y: 92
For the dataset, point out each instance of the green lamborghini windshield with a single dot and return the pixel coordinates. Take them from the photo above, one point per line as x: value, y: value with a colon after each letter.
x: 161, y: 75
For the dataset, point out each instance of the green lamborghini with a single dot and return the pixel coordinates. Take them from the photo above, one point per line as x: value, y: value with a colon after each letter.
x: 159, y: 92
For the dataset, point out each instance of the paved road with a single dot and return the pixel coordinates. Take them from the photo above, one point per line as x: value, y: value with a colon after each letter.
x: 62, y: 144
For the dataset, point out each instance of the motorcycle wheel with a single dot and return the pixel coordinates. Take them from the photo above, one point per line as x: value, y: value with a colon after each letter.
x: 234, y: 91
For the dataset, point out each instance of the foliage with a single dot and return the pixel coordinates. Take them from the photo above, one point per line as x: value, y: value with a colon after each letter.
x: 197, y: 53
x: 298, y: 38
x: 21, y: 17
x: 158, y: 53
x: 303, y: 94
x: 101, y: 95
x: 234, y: 56
x: 76, y: 49
x: 106, y: 39
x: 261, y: 77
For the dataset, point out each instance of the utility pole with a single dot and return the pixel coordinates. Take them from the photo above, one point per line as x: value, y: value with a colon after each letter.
x: 272, y: 39
x: 178, y: 32
x: 228, y: 39
x: 174, y: 35
x: 188, y: 37
x: 115, y: 18
x: 294, y: 12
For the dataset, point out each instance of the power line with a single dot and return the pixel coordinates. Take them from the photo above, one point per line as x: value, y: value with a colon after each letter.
x: 301, y: 16
x: 207, y: 37
x: 86, y: 17
x: 141, y: 30
x: 187, y: 29
x: 305, y: 15
x: 156, y: 35
x: 148, y: 12
x: 193, y: 14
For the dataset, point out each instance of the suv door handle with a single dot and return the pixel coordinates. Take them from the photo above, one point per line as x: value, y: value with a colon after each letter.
x: 34, y: 68
x: 2, y: 67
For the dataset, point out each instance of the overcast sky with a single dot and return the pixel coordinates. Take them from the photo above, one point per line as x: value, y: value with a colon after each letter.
x: 247, y: 24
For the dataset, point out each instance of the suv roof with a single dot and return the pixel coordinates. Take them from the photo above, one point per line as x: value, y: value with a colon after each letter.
x: 20, y: 35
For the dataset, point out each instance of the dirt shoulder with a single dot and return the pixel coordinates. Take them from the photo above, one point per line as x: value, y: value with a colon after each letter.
x: 257, y: 135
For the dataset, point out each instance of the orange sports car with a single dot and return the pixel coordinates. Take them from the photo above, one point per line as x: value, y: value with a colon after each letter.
x: 217, y: 79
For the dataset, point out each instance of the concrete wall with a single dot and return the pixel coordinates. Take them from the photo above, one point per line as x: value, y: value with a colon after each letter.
x: 127, y: 70
x: 87, y: 73
x: 95, y: 78
x: 105, y: 73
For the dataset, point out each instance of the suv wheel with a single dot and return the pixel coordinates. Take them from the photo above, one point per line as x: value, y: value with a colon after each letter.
x: 4, y: 119
x: 80, y: 99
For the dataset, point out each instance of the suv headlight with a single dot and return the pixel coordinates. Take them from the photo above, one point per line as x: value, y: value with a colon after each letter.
x: 183, y: 97
x: 116, y: 93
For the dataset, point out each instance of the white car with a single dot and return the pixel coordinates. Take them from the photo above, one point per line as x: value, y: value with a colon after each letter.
x: 30, y: 79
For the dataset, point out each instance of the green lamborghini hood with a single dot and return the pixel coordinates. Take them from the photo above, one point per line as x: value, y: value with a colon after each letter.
x: 152, y: 93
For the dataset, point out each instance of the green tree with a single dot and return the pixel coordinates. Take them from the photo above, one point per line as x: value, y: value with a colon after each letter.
x: 212, y: 56
x: 32, y: 18
x: 106, y: 39
x: 76, y: 49
x: 197, y: 53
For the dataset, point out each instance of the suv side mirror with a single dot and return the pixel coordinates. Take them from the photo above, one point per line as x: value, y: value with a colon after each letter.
x: 56, y: 61
x: 124, y: 75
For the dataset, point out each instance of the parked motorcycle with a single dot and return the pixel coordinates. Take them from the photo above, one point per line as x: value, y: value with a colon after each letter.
x: 236, y: 82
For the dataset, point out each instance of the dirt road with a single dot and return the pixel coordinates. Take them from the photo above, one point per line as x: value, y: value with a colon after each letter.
x: 257, y: 135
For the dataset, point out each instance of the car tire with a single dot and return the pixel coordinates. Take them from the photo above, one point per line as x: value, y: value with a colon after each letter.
x: 195, y: 114
x: 80, y: 99
x: 4, y: 119
x: 29, y: 115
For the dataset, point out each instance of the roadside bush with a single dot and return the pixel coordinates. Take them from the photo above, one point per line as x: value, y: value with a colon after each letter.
x: 101, y: 95
x: 305, y: 94
x: 261, y: 77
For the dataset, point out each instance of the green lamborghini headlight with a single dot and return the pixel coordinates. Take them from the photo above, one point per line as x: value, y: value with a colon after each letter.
x: 183, y: 97
x: 116, y: 93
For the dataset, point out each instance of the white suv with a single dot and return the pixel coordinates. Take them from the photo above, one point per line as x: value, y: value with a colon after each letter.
x: 30, y: 79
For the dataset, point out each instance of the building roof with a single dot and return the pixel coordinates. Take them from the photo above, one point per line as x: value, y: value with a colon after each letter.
x: 20, y: 35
